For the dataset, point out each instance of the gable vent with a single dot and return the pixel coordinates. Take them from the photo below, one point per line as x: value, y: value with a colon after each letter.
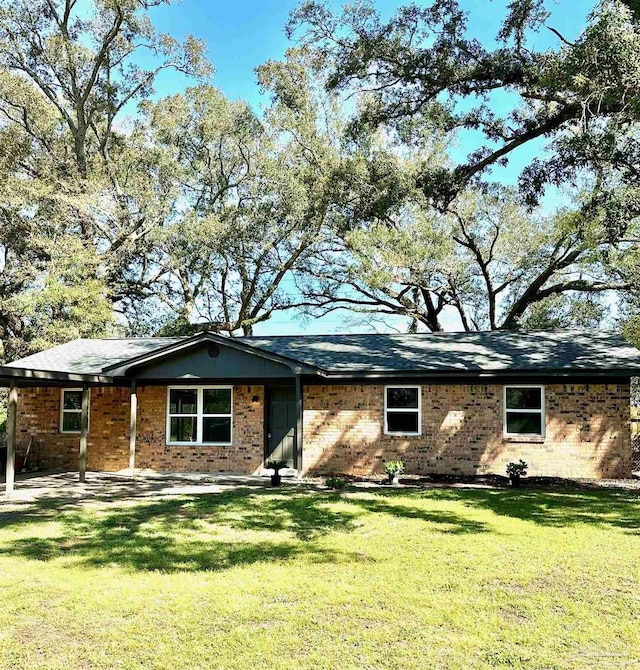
x: 214, y: 351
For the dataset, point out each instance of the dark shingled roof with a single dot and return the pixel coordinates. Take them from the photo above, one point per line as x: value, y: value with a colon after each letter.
x: 92, y: 356
x: 495, y: 351
x: 448, y: 352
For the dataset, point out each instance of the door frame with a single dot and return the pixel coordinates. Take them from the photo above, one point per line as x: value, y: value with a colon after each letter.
x: 267, y: 424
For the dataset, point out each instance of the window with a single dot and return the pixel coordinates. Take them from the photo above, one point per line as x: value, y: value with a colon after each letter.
x: 524, y: 410
x: 402, y: 410
x: 70, y: 410
x: 199, y: 415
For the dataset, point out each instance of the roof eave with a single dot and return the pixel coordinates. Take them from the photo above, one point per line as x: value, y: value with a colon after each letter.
x: 9, y: 374
x: 481, y: 374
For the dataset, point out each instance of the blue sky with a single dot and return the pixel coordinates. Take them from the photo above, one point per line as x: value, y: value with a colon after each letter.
x: 243, y: 34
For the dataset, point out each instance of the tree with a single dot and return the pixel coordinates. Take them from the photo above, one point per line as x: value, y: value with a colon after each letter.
x: 86, y: 68
x: 489, y: 263
x: 68, y: 73
x: 50, y: 284
x: 248, y: 206
x: 65, y: 301
x: 418, y: 76
x: 421, y: 66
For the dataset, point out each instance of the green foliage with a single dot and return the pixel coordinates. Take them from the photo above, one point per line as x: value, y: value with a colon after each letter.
x: 200, y: 213
x: 631, y: 330
x: 423, y: 64
x: 177, y: 327
x: 336, y: 483
x: 563, y: 311
x: 192, y: 214
x: 276, y: 466
x: 85, y: 65
x: 489, y: 261
x: 516, y: 470
x: 250, y: 198
x: 393, y: 468
x: 66, y: 299
x: 420, y: 79
x: 75, y: 180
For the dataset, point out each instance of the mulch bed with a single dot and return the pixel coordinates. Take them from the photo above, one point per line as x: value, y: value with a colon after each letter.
x: 497, y: 481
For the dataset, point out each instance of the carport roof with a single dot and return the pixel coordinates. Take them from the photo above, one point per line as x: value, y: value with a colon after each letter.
x: 495, y: 352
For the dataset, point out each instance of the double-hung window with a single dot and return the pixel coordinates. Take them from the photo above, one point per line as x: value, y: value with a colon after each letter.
x: 200, y: 415
x: 402, y: 410
x: 524, y: 411
x: 70, y: 410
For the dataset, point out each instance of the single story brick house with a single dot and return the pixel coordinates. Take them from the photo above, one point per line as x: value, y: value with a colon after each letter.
x: 456, y: 403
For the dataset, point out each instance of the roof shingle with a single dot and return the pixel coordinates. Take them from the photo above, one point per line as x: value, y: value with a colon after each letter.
x: 495, y: 351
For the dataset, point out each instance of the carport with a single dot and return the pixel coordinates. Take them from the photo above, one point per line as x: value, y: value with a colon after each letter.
x: 15, y: 378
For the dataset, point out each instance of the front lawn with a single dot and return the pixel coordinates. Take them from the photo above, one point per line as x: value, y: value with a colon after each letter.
x: 255, y: 578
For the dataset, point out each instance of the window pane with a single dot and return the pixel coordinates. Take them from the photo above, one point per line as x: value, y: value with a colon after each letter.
x: 183, y: 401
x: 524, y: 398
x: 217, y: 401
x: 402, y: 422
x: 71, y: 421
x: 183, y: 429
x: 73, y: 400
x: 216, y: 429
x: 402, y: 398
x: 524, y: 424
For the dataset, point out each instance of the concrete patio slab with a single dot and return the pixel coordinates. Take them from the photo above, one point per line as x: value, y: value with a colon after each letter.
x: 107, y: 486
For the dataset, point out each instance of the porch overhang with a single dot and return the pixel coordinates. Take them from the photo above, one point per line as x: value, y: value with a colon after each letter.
x: 29, y: 377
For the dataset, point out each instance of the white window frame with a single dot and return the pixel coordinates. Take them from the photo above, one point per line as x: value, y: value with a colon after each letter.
x: 542, y: 411
x: 72, y: 411
x: 200, y: 416
x: 403, y: 411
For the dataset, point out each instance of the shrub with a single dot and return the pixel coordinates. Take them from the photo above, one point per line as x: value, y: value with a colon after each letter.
x: 335, y: 483
x: 516, y: 470
x: 276, y: 466
x: 393, y: 469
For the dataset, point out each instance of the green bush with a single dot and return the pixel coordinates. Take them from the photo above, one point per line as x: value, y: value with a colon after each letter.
x: 516, y: 470
x: 393, y: 468
x: 276, y: 466
x: 335, y: 483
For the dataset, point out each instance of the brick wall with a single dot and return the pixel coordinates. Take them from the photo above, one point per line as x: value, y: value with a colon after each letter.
x: 587, y: 432
x: 245, y: 455
x: 108, y: 439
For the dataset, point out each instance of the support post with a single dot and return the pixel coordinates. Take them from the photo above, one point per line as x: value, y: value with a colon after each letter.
x: 133, y: 425
x: 84, y: 429
x: 299, y: 409
x: 12, y: 416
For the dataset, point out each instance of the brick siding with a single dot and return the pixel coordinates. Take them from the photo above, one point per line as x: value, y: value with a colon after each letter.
x: 245, y: 454
x: 108, y: 439
x: 587, y: 432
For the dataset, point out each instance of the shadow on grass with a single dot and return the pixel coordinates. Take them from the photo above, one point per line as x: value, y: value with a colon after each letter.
x: 207, y: 531
x: 555, y: 508
x: 185, y: 533
x: 242, y: 526
x: 448, y: 522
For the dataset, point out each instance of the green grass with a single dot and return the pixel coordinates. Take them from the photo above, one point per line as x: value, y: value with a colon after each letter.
x: 255, y: 578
